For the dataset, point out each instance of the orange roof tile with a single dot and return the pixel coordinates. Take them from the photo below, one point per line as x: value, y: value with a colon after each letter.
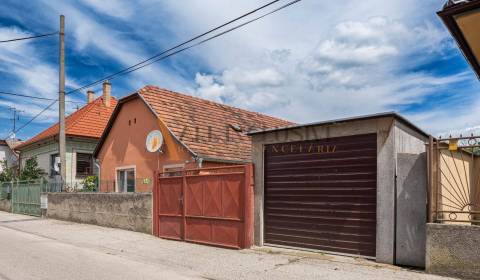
x: 88, y: 121
x: 207, y: 128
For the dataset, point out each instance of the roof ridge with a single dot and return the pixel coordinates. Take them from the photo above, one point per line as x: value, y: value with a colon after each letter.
x: 215, y: 103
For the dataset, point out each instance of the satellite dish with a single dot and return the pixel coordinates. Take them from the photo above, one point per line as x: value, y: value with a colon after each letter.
x: 154, y: 141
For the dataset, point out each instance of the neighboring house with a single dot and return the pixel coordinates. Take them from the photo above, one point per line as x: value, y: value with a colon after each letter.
x: 83, y: 129
x: 196, y: 133
x: 8, y: 153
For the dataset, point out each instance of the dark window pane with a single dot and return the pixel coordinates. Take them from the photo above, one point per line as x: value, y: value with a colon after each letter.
x: 130, y: 181
x: 84, y: 164
x: 54, y: 165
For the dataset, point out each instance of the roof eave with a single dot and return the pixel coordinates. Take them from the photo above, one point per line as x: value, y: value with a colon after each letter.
x: 51, y: 137
x: 447, y: 15
x: 223, y: 160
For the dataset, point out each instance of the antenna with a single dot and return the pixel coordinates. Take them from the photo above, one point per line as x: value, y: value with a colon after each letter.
x: 15, y: 118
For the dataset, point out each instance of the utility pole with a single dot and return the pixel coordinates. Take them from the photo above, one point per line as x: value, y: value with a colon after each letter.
x: 61, y: 103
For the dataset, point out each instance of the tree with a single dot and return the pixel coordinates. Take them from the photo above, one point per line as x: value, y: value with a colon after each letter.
x: 7, y: 173
x: 31, y: 171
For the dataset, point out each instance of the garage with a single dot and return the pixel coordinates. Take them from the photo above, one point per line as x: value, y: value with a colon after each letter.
x: 354, y: 186
x: 321, y: 194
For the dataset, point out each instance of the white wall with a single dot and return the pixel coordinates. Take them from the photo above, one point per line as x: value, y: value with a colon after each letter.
x: 7, y: 153
x: 2, y: 156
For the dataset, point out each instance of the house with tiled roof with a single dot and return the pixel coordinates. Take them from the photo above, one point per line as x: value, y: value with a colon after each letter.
x: 8, y: 154
x: 83, y: 129
x: 195, y: 133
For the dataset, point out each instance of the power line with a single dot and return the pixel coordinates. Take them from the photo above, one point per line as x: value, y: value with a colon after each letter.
x: 28, y: 38
x: 211, y: 38
x: 36, y: 116
x: 36, y: 97
x: 159, y: 56
x: 172, y: 48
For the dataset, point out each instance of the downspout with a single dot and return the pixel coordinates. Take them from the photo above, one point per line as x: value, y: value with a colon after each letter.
x: 199, y: 161
x: 97, y: 165
x: 19, y: 169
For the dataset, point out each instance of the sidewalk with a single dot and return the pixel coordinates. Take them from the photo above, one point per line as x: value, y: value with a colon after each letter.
x: 48, y: 249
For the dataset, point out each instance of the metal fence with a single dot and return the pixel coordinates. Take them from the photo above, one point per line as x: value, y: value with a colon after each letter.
x: 26, y: 196
x: 138, y: 185
x: 46, y: 186
x: 454, y: 175
x: 5, y: 190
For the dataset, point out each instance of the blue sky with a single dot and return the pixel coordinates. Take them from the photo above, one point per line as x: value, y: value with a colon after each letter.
x: 314, y: 61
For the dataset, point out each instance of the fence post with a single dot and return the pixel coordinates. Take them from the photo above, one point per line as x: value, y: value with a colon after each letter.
x: 184, y: 206
x: 248, y: 207
x: 430, y: 179
x: 155, y: 204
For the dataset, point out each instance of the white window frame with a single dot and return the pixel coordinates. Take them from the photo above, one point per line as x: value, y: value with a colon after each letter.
x: 123, y: 168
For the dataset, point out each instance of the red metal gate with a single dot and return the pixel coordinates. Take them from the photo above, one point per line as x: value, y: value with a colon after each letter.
x: 207, y: 205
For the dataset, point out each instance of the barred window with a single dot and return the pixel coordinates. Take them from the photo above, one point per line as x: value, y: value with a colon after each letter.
x: 84, y: 164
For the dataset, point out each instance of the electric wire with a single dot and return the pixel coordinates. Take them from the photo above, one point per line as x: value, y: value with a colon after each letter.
x: 163, y: 55
x: 37, y: 97
x: 28, y: 38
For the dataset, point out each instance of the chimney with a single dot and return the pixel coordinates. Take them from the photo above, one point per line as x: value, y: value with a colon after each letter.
x: 107, y: 93
x: 90, y: 96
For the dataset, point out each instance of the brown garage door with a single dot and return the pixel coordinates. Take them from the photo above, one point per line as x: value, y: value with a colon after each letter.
x: 322, y: 194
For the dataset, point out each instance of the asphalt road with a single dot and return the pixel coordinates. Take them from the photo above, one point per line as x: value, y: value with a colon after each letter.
x: 32, y: 248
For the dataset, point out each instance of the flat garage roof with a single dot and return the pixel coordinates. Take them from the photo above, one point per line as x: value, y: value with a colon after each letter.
x: 344, y: 120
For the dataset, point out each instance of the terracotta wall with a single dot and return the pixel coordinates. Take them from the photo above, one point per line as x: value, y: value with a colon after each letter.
x: 125, y: 146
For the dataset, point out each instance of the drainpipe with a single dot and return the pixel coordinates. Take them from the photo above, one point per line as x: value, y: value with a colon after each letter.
x: 199, y: 161
x: 98, y: 176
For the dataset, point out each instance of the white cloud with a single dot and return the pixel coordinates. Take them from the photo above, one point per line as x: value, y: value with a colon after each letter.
x: 114, y: 8
x: 313, y: 61
x: 359, y: 69
x: 37, y: 77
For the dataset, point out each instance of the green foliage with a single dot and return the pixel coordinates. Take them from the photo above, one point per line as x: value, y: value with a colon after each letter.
x: 31, y: 171
x: 7, y: 174
x: 90, y: 183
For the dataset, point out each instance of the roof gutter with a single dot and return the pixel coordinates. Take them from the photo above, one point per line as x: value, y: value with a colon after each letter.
x: 449, y: 14
x: 233, y: 161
